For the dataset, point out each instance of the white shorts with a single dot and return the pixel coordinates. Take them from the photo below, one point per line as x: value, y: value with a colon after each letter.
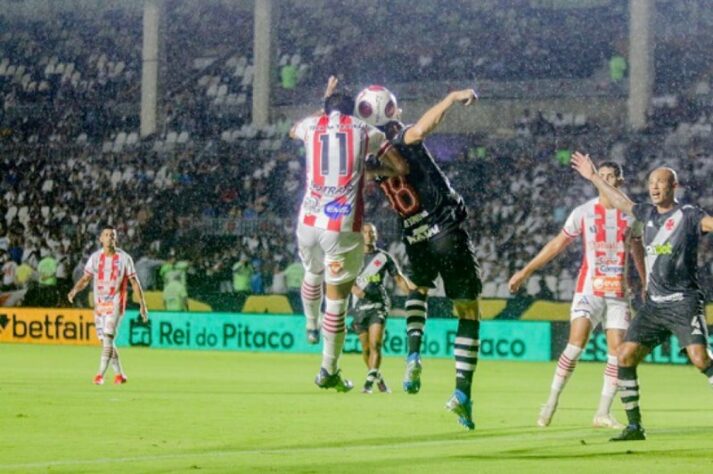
x: 611, y: 313
x: 340, y: 253
x: 107, y: 324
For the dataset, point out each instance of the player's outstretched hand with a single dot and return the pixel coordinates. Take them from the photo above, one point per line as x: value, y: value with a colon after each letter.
x: 583, y: 164
x: 332, y: 83
x: 516, y: 281
x: 143, y: 311
x: 465, y: 96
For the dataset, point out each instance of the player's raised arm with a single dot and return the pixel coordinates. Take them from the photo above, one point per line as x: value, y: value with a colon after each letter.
x: 79, y: 286
x: 332, y: 83
x: 433, y: 116
x: 584, y: 166
x: 553, y: 248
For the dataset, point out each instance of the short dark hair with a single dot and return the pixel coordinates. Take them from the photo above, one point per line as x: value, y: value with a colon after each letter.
x: 618, y: 170
x: 103, y: 227
x: 343, y: 103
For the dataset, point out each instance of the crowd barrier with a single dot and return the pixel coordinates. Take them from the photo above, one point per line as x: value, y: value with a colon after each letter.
x: 499, y: 340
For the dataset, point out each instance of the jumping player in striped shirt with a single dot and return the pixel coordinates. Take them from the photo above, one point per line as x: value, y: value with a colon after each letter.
x: 112, y: 270
x: 600, y: 293
x: 330, y: 219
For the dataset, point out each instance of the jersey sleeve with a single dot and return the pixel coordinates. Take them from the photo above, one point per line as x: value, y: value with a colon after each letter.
x: 391, y: 266
x: 130, y: 269
x: 642, y: 211
x: 89, y: 268
x: 573, y: 225
x: 695, y: 216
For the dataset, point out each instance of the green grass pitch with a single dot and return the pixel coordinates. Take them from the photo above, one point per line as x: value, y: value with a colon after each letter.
x: 186, y: 411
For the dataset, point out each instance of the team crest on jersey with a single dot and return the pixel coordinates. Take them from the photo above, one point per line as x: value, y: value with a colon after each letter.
x: 669, y: 224
x: 335, y: 268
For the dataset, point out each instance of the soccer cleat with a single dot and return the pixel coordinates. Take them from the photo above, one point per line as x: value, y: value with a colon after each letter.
x: 606, y: 421
x: 461, y: 405
x: 381, y: 385
x: 119, y: 379
x: 631, y: 433
x: 368, y: 388
x: 313, y: 336
x: 412, y: 378
x: 335, y: 381
x: 546, y: 413
x: 98, y: 379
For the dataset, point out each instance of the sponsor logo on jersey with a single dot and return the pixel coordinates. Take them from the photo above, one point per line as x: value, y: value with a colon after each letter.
x: 617, y: 246
x: 422, y: 233
x: 662, y: 249
x: 334, y: 209
x: 332, y: 190
x: 609, y: 269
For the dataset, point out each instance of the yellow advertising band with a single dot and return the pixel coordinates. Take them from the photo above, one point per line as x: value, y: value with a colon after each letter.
x: 48, y: 326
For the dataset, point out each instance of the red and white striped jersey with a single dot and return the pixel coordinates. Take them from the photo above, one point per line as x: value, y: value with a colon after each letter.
x: 111, y: 275
x: 336, y: 147
x: 603, y: 234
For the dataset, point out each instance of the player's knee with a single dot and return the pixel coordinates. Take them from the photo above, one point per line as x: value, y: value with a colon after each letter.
x: 626, y: 356
x: 467, y: 309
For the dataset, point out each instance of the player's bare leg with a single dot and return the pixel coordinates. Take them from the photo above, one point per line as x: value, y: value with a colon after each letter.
x: 630, y: 356
x: 466, y: 359
x: 334, y: 333
x: 376, y: 340
x: 579, y: 331
x: 416, y: 310
x: 603, y: 418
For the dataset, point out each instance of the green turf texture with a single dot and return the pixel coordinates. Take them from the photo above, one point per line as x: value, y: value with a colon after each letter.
x: 186, y: 411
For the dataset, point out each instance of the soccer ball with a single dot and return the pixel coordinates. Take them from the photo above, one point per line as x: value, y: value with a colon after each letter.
x: 376, y: 105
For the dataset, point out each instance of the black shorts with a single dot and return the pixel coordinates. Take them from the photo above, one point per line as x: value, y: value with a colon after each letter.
x: 655, y: 322
x: 451, y: 255
x: 365, y: 318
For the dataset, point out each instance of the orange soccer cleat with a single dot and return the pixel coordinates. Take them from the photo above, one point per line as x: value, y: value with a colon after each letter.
x: 119, y: 379
x: 98, y: 379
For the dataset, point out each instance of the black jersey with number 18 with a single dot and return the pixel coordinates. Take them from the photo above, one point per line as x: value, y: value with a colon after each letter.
x: 424, y: 198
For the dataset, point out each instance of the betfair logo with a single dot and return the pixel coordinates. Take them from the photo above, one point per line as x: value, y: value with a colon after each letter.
x: 663, y: 249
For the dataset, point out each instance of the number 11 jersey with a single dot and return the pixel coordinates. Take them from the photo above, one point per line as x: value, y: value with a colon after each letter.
x: 336, y: 147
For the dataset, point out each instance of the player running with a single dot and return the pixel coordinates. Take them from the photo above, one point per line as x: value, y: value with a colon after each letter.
x: 432, y: 213
x: 111, y: 269
x: 599, y: 296
x: 330, y: 219
x: 373, y: 305
x: 674, y: 300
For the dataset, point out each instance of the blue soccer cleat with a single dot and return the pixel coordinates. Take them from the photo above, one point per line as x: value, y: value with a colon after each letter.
x: 461, y: 405
x: 412, y: 378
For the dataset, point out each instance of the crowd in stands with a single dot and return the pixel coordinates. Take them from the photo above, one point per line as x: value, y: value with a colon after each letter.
x: 219, y: 196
